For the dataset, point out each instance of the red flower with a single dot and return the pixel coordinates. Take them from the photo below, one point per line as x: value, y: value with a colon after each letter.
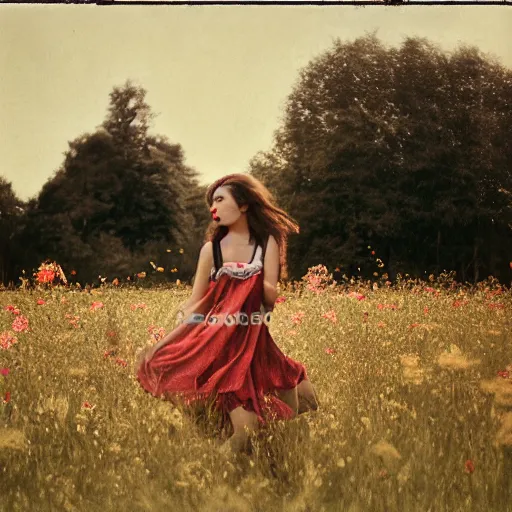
x: 425, y: 310
x: 469, y: 467
x: 20, y: 324
x: 12, y: 309
x: 87, y: 405
x: 329, y: 351
x: 121, y: 362
x: 4, y: 371
x: 45, y: 276
x: 40, y: 302
x: 7, y: 397
x: 96, y: 305
x: 280, y: 299
x: 504, y: 373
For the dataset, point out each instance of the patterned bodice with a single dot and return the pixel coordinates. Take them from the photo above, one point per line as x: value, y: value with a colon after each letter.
x: 240, y: 270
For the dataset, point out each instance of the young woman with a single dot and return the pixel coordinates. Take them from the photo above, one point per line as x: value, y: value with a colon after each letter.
x: 223, y: 350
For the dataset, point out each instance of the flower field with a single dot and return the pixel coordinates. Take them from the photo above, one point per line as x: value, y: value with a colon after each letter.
x: 414, y: 381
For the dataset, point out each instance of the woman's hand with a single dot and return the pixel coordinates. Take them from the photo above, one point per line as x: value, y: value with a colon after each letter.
x: 146, y: 354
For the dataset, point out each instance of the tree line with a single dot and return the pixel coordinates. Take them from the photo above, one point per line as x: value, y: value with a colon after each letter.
x: 391, y: 160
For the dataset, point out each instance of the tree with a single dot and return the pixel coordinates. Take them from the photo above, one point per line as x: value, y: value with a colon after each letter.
x: 120, y: 195
x: 404, y: 150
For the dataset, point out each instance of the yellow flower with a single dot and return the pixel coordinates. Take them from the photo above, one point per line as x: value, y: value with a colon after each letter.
x: 160, y: 269
x: 169, y: 250
x: 181, y: 251
x: 152, y: 264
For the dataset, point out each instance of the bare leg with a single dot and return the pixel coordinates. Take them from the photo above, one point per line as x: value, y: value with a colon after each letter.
x: 291, y: 398
x: 307, y: 397
x: 244, y: 422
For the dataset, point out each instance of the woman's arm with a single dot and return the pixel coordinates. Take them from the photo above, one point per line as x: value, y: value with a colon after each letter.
x: 201, y: 283
x: 270, y: 273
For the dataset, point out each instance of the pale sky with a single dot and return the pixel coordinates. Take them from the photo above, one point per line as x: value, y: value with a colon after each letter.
x: 217, y: 76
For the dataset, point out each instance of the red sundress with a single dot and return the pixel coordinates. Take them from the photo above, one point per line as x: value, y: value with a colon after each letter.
x: 233, y: 365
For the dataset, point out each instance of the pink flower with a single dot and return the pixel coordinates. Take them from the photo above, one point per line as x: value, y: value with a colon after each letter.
x: 20, y: 324
x: 504, y: 373
x: 40, y: 302
x: 96, y: 305
x: 121, y: 362
x: 12, y: 309
x: 330, y: 315
x: 387, y: 306
x: 356, y: 295
x: 280, y: 299
x: 425, y: 310
x: 297, y: 317
x: 7, y: 340
x: 4, y: 371
x: 330, y: 351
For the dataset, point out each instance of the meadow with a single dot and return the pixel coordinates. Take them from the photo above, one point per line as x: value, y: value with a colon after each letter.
x: 414, y: 380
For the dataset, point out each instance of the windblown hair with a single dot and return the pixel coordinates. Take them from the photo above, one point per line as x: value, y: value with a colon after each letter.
x: 263, y: 216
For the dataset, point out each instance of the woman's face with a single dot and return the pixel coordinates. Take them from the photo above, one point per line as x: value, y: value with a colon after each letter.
x: 224, y: 209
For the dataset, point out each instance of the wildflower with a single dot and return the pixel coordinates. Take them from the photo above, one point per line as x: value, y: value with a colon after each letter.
x: 121, y: 362
x: 110, y: 353
x: 504, y: 373
x: 40, y: 302
x: 4, y: 371
x: 160, y: 269
x: 45, y: 276
x: 7, y: 340
x: 469, y: 467
x: 12, y: 309
x: 115, y: 282
x: 96, y: 305
x: 387, y: 306
x: 356, y: 295
x: 73, y: 272
x: 297, y: 317
x: 330, y: 315
x: 455, y: 360
x: 381, y: 324
x: 142, y: 305
x: 181, y: 251
x: 141, y: 275
x: 279, y: 300
x: 7, y: 397
x: 496, y: 305
x: 330, y: 351
x: 425, y: 310
x: 388, y: 454
x: 459, y: 303
x: 501, y: 388
x: 20, y: 324
x: 111, y: 334
x: 87, y: 405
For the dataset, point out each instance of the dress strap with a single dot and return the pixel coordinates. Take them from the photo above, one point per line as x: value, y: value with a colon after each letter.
x: 217, y: 255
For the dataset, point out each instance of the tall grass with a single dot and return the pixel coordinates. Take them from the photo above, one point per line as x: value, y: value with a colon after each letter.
x: 413, y: 414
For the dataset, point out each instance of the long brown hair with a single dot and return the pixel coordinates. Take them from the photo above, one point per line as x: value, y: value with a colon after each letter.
x: 263, y: 215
